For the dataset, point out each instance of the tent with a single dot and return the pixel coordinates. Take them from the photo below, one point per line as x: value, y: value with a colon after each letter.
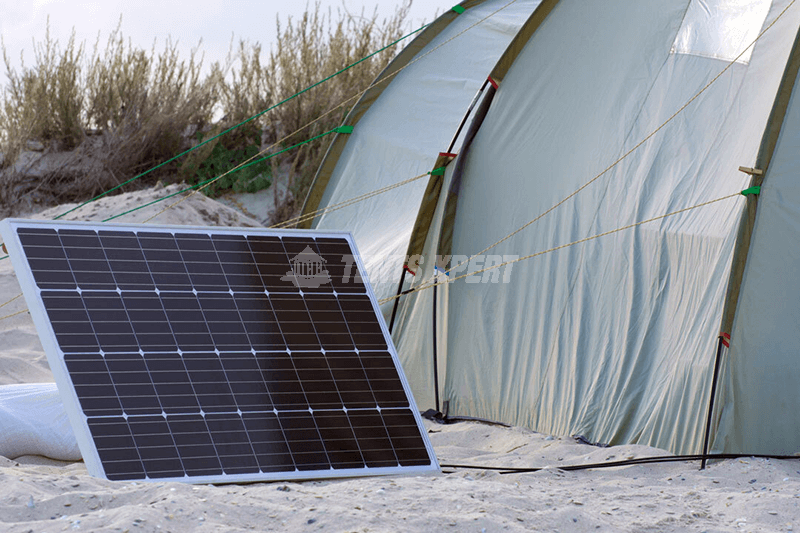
x: 400, y: 125
x: 599, y: 117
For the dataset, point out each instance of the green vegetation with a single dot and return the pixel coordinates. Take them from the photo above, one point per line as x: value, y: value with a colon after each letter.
x: 122, y: 110
x: 225, y: 156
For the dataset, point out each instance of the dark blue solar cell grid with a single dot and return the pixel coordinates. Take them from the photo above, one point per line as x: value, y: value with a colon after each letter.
x: 201, y: 354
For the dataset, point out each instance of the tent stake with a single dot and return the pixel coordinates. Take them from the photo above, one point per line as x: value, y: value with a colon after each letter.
x: 711, y: 401
x: 397, y: 300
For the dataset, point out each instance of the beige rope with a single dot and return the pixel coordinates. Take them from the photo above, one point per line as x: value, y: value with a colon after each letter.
x: 524, y: 258
x: 14, y: 314
x: 346, y: 203
x: 550, y: 250
x: 11, y: 300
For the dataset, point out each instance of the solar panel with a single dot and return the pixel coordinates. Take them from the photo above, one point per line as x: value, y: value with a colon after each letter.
x: 217, y: 355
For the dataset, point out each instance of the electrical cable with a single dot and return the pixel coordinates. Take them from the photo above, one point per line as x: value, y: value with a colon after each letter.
x: 624, y: 462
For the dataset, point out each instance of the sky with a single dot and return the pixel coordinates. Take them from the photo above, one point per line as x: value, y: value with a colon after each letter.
x: 143, y: 21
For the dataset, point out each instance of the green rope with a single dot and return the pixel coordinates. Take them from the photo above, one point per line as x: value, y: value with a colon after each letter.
x: 260, y: 160
x: 205, y: 182
x: 244, y: 122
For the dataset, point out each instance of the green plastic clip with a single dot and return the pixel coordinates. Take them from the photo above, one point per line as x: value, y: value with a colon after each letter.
x: 344, y: 129
x: 437, y: 171
x: 459, y: 9
x: 752, y: 190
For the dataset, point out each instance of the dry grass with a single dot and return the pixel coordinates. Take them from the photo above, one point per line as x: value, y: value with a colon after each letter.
x: 102, y: 118
x: 143, y: 102
x: 45, y: 102
x: 318, y: 45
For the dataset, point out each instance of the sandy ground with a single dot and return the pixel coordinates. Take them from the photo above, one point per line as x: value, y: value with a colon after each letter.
x: 40, y: 494
x: 741, y: 495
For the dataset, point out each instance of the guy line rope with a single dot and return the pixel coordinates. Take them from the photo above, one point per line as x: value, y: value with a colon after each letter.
x: 549, y: 250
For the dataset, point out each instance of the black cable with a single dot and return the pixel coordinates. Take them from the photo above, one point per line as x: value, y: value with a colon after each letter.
x: 455, y: 419
x: 435, y: 362
x: 626, y: 462
x: 397, y: 299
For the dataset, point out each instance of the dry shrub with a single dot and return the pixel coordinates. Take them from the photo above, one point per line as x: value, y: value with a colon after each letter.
x: 46, y: 102
x: 101, y: 119
x: 124, y: 110
x: 144, y: 103
x: 317, y: 45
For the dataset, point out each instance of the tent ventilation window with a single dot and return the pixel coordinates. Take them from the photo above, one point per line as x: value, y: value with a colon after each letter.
x: 721, y: 29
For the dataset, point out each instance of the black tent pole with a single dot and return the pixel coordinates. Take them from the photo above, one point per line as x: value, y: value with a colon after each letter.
x: 711, y: 401
x: 435, y: 364
x: 397, y: 299
x: 466, y: 115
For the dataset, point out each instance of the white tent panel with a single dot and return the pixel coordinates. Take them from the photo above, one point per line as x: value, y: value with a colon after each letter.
x: 404, y: 130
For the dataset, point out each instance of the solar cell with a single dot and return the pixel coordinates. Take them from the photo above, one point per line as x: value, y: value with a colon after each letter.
x: 217, y: 355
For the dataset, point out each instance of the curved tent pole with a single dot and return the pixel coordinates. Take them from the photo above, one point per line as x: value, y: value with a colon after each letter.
x: 425, y: 218
x: 466, y: 116
x: 399, y: 292
x: 433, y: 192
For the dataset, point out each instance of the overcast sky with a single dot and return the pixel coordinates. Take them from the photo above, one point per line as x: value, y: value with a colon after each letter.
x: 213, y: 21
